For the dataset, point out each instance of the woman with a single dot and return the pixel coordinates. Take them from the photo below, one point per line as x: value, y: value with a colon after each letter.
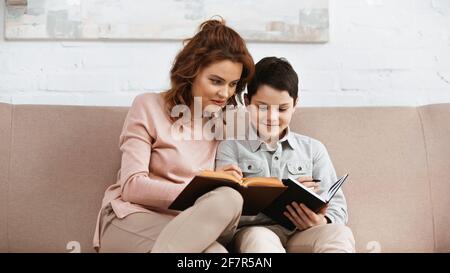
x: 213, y: 66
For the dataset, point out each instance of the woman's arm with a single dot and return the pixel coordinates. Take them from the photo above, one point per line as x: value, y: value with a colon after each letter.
x: 136, y: 140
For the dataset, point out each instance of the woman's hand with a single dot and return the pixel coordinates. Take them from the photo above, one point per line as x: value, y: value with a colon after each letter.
x: 231, y: 169
x: 303, y: 218
x: 308, y: 182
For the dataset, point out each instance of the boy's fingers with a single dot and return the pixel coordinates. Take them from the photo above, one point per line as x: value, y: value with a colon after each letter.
x: 300, y: 226
x: 311, y: 185
x: 323, y: 210
x: 305, y: 178
x: 294, y: 215
x: 285, y: 213
x: 302, y: 215
x: 311, y: 214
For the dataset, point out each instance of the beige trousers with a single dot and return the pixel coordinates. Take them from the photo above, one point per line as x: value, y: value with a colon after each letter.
x: 205, y: 227
x: 274, y: 239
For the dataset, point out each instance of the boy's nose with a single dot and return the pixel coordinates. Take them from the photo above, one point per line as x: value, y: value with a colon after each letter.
x: 273, y: 114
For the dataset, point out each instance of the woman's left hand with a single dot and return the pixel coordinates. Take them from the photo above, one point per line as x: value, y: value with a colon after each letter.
x: 303, y: 218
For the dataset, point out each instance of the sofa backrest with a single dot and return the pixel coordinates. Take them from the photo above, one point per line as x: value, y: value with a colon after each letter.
x: 62, y: 158
x: 5, y: 141
x: 383, y: 150
x: 436, y: 129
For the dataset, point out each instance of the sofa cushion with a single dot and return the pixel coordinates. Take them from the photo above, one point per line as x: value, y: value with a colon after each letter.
x: 5, y: 141
x: 436, y: 128
x: 63, y: 159
x: 383, y: 150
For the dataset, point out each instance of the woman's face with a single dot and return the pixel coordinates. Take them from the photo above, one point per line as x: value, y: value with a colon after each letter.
x: 216, y: 83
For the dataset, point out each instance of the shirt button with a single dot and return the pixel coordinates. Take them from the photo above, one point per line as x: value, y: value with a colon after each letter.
x: 249, y: 167
x: 299, y: 168
x: 276, y: 157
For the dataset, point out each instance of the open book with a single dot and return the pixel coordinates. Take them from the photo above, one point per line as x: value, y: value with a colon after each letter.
x: 299, y: 193
x: 257, y: 192
x: 261, y: 194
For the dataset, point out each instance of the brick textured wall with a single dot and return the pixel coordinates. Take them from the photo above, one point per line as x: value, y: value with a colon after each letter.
x: 381, y: 52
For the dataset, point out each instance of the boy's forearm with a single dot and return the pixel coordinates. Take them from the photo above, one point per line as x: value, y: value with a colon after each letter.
x: 335, y: 218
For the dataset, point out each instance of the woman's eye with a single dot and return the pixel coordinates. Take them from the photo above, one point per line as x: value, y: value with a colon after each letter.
x: 283, y: 109
x: 233, y: 84
x: 215, y: 81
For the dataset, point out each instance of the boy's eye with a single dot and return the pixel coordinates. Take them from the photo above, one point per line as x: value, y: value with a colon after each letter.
x: 283, y: 109
x: 263, y: 108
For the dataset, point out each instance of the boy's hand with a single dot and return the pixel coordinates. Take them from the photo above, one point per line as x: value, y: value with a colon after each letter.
x: 308, y: 182
x: 231, y: 169
x: 303, y: 218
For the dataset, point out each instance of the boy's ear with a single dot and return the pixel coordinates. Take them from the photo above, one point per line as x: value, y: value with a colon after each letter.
x: 296, y: 102
x: 246, y: 100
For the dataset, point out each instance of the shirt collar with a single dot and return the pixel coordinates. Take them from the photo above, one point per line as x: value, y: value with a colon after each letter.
x: 255, y: 145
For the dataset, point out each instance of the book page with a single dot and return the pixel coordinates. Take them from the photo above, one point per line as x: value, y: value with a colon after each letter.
x: 246, y: 181
x: 262, y: 181
x: 335, y: 187
x: 307, y: 189
x: 220, y: 175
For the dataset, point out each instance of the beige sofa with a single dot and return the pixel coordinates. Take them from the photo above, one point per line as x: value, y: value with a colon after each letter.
x: 56, y: 162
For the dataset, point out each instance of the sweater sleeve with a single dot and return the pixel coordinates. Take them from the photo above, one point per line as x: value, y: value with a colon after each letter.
x: 136, y: 140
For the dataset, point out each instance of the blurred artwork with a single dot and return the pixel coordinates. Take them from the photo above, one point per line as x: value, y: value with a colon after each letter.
x: 305, y: 21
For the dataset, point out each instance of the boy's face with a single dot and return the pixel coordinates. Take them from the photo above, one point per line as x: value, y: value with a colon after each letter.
x: 271, y: 111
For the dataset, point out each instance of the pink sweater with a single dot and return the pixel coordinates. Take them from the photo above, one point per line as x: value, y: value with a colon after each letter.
x: 155, y: 166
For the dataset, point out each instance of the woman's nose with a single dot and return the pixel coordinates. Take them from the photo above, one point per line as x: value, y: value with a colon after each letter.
x: 224, y: 93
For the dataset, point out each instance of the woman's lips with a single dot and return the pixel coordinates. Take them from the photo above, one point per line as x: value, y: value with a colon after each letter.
x: 219, y: 102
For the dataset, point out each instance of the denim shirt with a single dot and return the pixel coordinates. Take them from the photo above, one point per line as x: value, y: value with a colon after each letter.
x: 294, y: 156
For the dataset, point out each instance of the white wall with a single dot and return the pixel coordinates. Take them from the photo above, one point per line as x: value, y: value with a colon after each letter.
x: 381, y: 52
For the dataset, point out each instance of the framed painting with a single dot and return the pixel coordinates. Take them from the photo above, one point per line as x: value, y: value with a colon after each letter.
x: 302, y: 21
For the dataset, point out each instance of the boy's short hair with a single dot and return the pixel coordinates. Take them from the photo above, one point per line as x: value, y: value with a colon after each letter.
x: 276, y: 73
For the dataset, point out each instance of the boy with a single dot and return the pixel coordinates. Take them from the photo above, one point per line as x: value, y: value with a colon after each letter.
x: 276, y: 151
